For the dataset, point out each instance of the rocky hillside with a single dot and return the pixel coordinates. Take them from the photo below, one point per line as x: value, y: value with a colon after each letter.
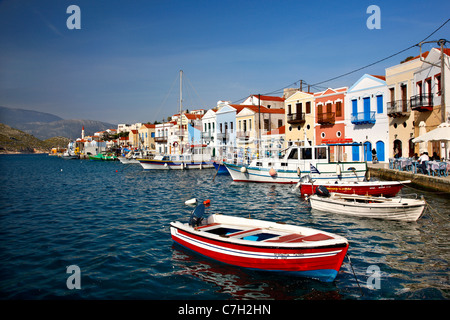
x: 16, y: 141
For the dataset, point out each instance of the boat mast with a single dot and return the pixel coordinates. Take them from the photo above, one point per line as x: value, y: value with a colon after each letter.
x: 181, y: 110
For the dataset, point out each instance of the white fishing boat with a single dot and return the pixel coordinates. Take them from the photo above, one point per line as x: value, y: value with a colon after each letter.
x: 297, y: 161
x: 195, y: 160
x: 262, y: 245
x: 132, y: 157
x: 397, y: 208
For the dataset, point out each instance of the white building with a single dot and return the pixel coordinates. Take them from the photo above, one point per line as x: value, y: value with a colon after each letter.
x: 366, y: 118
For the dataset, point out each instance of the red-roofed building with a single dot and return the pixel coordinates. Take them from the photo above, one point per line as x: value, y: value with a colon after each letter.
x: 330, y: 117
x: 270, y: 102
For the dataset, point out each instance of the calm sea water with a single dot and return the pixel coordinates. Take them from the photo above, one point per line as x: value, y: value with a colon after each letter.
x: 112, y: 221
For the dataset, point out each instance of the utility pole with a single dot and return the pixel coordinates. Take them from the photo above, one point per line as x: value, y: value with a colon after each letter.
x: 444, y: 113
x: 440, y: 42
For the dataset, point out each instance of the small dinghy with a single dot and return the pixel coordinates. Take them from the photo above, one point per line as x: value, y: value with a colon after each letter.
x: 262, y: 245
x: 397, y: 208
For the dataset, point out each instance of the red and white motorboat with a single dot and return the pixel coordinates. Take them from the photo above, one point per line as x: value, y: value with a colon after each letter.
x: 371, y: 188
x: 263, y: 245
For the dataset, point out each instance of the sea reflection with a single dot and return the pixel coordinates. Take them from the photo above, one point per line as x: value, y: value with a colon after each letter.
x: 244, y: 284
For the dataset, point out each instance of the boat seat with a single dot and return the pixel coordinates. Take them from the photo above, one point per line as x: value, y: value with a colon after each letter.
x: 207, y: 226
x: 295, y: 237
x: 240, y: 233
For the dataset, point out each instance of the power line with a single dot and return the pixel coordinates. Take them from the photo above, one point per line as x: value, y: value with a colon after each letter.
x: 381, y: 60
x: 316, y: 85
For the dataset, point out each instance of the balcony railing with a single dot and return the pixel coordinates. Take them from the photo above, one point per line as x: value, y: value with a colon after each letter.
x: 295, y: 118
x: 363, y: 117
x: 326, y: 118
x: 422, y: 102
x: 243, y: 134
x: 398, y: 108
x: 161, y: 139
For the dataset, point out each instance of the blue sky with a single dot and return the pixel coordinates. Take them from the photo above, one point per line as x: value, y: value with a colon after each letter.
x: 122, y: 65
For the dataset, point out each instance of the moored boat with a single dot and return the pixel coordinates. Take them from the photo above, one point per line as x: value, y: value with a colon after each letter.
x: 397, y: 208
x: 373, y: 188
x: 178, y: 161
x: 262, y: 245
x: 296, y: 162
x: 220, y: 167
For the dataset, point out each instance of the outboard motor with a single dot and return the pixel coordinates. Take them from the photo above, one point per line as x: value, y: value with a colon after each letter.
x: 197, y: 215
x: 322, y: 191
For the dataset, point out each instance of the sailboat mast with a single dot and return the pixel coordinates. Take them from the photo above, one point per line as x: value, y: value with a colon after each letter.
x: 181, y: 110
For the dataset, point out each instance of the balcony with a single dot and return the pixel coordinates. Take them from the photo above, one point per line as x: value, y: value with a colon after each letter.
x: 207, y: 136
x: 398, y: 108
x: 326, y: 118
x: 296, y: 118
x: 245, y: 135
x: 363, y: 117
x: 161, y: 139
x: 422, y: 102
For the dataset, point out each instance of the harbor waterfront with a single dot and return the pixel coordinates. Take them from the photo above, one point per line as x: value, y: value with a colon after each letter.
x: 112, y: 221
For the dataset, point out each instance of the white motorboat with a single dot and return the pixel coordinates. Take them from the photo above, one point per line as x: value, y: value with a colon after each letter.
x: 397, y: 208
x: 296, y: 162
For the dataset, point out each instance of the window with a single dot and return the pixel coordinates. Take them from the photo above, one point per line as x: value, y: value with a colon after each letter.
x: 280, y: 123
x: 338, y: 109
x: 320, y: 153
x: 231, y: 126
x: 329, y: 107
x: 293, y: 154
x: 239, y: 124
x: 438, y: 83
x: 245, y: 125
x: 289, y: 109
x: 322, y: 135
x: 319, y: 109
x: 299, y: 106
x: 306, y: 154
x: 250, y: 124
x: 220, y: 126
x: 338, y: 134
x: 308, y: 107
x: 266, y: 124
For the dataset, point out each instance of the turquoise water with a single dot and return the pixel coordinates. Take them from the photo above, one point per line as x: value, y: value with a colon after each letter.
x: 112, y: 221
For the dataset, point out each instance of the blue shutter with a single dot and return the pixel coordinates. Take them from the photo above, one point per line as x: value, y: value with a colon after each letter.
x: 368, y: 150
x: 355, y: 153
x: 380, y: 104
x: 380, y: 150
x: 354, y: 107
x: 367, y: 108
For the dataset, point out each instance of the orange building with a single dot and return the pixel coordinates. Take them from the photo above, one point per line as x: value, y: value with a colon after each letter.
x: 329, y: 119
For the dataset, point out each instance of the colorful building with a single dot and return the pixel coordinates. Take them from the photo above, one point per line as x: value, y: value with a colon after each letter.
x: 299, y: 118
x: 330, y: 121
x: 366, y: 118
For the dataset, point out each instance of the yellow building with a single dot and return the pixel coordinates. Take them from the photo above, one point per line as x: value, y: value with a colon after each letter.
x: 253, y: 121
x: 147, y: 136
x: 299, y: 118
x: 400, y: 83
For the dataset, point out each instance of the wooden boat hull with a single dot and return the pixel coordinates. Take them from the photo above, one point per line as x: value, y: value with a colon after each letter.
x: 396, y: 209
x: 320, y: 259
x: 376, y: 188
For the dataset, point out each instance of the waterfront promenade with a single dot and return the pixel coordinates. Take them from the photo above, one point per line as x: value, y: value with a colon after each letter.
x: 418, y: 180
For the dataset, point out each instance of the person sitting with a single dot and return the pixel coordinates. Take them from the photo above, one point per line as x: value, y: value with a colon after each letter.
x: 435, y: 157
x: 423, y: 159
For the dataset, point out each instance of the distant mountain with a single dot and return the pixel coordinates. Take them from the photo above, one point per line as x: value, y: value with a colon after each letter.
x: 13, y: 117
x: 45, y: 125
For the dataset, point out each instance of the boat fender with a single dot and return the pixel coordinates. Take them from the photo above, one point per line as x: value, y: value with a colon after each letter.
x: 322, y: 191
x: 192, y: 201
x: 272, y: 172
x: 338, y: 170
x: 299, y: 172
x: 165, y: 165
x: 243, y: 169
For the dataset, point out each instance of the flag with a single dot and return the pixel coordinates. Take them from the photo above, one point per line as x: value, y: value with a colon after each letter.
x: 313, y: 169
